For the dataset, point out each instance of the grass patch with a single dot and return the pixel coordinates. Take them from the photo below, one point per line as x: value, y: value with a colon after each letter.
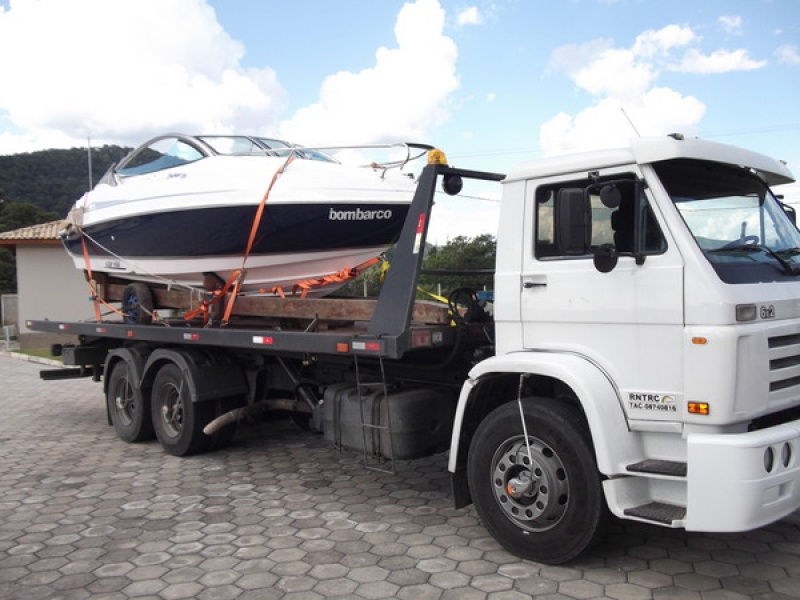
x: 38, y: 353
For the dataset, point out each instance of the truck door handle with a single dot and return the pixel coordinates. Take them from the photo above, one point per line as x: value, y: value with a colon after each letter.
x: 532, y: 284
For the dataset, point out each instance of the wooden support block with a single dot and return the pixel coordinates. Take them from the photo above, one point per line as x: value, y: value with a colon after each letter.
x: 324, y: 309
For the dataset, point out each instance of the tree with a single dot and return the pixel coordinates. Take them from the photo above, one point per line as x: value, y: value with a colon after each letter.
x: 15, y: 215
x: 54, y: 179
x: 460, y: 254
x: 8, y: 272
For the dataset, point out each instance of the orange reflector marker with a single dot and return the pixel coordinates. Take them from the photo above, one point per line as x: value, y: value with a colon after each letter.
x: 131, y: 333
x: 342, y: 347
x: 699, y: 341
x: 699, y: 408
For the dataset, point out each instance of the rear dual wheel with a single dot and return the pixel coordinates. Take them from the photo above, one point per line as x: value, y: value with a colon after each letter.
x: 127, y: 405
x: 179, y: 422
x: 541, y: 498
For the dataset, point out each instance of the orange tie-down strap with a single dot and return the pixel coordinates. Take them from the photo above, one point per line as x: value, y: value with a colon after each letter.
x: 95, y: 297
x: 260, y: 210
x: 234, y: 282
x: 302, y: 288
x: 204, y: 310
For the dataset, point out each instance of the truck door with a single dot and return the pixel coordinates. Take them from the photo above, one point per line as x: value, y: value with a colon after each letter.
x: 628, y: 320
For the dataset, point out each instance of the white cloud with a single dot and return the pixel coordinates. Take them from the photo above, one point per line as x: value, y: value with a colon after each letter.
x: 719, y: 61
x: 374, y: 105
x: 615, y: 73
x: 626, y: 79
x: 654, y: 43
x: 571, y: 58
x: 469, y: 16
x: 121, y: 71
x: 604, y: 124
x: 788, y: 55
x: 731, y: 24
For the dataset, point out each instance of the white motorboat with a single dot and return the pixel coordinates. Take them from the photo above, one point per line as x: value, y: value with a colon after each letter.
x: 180, y: 208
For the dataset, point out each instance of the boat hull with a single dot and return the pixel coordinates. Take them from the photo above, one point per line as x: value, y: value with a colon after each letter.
x: 293, y: 243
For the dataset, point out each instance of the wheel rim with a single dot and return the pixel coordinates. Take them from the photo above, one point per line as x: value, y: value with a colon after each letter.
x: 131, y: 307
x: 124, y: 401
x: 172, y: 412
x: 534, y: 495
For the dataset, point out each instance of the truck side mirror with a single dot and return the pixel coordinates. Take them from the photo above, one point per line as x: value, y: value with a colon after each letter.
x: 605, y: 258
x: 573, y: 218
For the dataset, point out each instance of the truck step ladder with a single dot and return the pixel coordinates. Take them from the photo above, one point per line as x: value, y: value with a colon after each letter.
x: 658, y: 512
x: 668, y: 468
x: 373, y: 431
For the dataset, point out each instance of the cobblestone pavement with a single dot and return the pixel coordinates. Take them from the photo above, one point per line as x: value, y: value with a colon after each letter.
x: 282, y: 514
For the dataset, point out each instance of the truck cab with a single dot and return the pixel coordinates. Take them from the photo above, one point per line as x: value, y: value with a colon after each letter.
x: 647, y: 305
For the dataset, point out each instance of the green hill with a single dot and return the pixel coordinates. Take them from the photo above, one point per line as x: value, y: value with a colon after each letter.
x: 53, y: 180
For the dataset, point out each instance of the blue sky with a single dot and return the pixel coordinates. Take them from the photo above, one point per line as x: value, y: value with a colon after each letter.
x: 492, y: 82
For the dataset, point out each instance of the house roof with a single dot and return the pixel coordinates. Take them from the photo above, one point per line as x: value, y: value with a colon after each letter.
x: 44, y: 233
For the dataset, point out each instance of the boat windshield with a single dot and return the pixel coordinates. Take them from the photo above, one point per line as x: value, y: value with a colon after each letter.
x: 163, y: 153
x: 282, y: 148
x: 232, y: 144
x: 741, y: 227
x: 244, y: 145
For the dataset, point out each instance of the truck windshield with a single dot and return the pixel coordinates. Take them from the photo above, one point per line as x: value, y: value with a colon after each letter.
x: 738, y: 223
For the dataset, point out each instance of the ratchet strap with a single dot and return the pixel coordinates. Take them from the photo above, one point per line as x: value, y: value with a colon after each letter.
x: 302, y: 288
x: 234, y: 282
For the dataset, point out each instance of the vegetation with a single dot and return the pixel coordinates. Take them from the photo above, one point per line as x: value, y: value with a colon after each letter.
x: 54, y: 179
x: 39, y: 354
x: 459, y: 254
x: 38, y: 187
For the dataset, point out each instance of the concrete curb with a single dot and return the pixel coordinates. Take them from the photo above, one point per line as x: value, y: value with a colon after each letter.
x: 33, y: 359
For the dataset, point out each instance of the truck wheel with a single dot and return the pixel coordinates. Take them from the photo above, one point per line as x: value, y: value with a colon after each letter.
x: 178, y: 422
x: 222, y: 438
x: 129, y: 410
x: 137, y: 304
x: 547, y: 506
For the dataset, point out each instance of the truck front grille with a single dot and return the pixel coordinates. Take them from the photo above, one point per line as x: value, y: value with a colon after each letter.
x: 784, y: 362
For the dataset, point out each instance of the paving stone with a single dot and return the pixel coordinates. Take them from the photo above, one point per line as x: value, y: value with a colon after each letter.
x: 420, y: 592
x: 281, y: 515
x: 627, y: 591
x: 580, y: 589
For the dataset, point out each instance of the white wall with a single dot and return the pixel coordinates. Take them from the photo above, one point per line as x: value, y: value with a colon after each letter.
x: 50, y: 287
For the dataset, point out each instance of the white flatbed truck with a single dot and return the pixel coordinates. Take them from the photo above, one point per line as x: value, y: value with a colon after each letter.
x: 643, y: 358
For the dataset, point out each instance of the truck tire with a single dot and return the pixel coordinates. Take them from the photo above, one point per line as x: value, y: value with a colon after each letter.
x: 222, y: 438
x: 127, y: 406
x: 562, y: 511
x: 178, y: 422
x: 137, y: 304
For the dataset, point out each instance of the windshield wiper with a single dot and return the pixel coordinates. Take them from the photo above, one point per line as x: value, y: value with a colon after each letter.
x: 788, y: 267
